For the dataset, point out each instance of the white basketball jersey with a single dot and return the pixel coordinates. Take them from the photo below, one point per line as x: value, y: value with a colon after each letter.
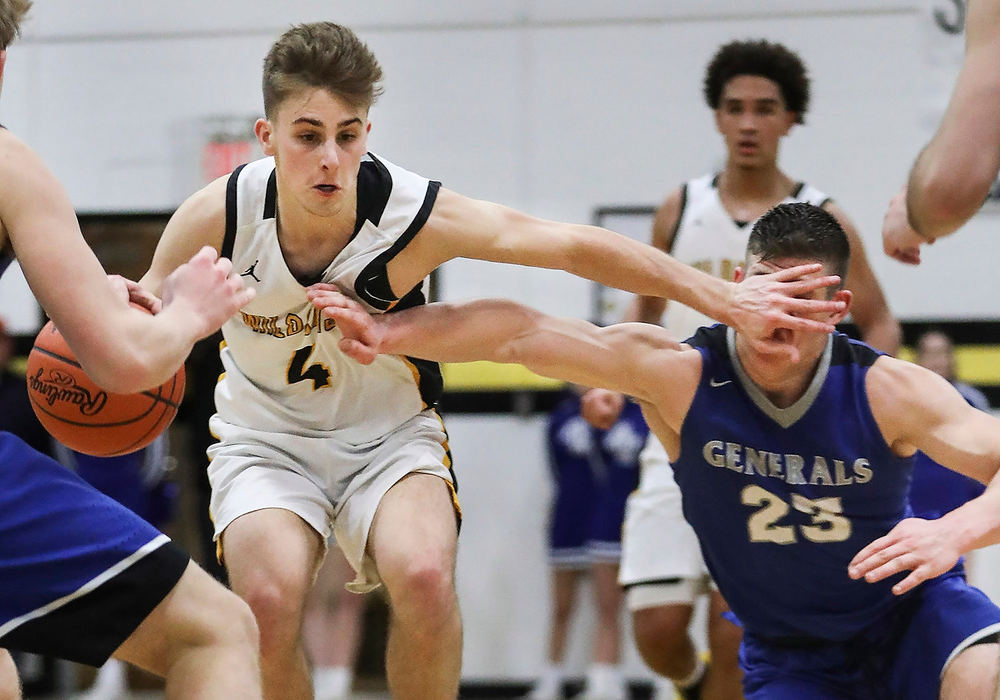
x: 283, y: 369
x: 709, y: 239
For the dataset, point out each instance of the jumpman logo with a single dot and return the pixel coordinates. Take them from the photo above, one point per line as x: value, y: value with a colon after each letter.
x: 250, y: 271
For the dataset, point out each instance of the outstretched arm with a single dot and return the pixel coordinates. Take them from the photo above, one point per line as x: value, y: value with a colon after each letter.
x: 459, y: 227
x: 917, y: 409
x: 632, y: 358
x: 953, y: 174
x: 120, y: 348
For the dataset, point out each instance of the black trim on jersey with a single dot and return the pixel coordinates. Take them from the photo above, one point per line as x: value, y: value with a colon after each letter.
x: 271, y: 196
x: 374, y: 188
x: 430, y: 380
x: 826, y: 200
x: 715, y: 181
x: 372, y: 285
x: 713, y: 337
x: 653, y: 582
x: 797, y: 190
x: 680, y: 217
x: 847, y: 351
x: 231, y: 213
x: 88, y: 629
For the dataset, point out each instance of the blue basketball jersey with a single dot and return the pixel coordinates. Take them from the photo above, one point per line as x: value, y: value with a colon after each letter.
x: 783, y: 498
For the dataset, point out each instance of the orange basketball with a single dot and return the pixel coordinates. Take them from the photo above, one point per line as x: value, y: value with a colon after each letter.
x: 86, y: 418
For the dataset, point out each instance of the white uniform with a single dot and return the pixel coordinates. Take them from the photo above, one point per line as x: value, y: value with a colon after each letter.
x: 300, y: 425
x: 709, y: 239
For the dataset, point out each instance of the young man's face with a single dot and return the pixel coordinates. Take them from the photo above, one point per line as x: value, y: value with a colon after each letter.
x: 752, y: 118
x: 317, y: 140
x: 809, y: 344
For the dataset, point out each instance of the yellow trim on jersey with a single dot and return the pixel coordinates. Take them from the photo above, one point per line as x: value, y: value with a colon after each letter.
x: 490, y: 376
x: 416, y: 379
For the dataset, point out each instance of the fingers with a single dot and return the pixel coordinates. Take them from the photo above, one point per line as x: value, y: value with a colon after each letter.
x: 357, y: 351
x: 916, y: 577
x: 910, y: 256
x: 803, y: 286
x: 793, y: 273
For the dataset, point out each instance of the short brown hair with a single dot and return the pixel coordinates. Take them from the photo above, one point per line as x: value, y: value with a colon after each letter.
x: 324, y: 55
x: 11, y: 14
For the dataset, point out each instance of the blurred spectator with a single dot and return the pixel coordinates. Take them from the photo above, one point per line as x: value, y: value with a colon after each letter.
x: 937, y: 490
x: 16, y: 414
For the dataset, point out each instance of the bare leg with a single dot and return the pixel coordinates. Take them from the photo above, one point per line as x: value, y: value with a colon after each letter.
x: 10, y: 684
x: 272, y: 556
x: 413, y: 540
x: 973, y: 674
x: 565, y: 583
x: 201, y: 638
x: 661, y: 635
x: 608, y: 594
x: 332, y: 626
x: 724, y: 679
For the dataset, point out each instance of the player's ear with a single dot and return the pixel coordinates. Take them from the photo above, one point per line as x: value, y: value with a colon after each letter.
x: 739, y: 274
x: 264, y: 131
x: 845, y: 296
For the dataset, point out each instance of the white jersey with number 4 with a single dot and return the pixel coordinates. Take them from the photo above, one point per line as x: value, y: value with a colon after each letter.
x: 283, y: 369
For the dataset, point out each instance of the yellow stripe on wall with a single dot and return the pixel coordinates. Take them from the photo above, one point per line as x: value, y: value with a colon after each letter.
x: 490, y: 376
x: 975, y: 364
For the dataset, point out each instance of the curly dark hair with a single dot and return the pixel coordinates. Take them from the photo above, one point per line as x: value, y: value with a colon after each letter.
x: 766, y: 59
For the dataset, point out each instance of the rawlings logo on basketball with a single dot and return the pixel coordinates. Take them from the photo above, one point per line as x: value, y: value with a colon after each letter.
x: 59, y: 386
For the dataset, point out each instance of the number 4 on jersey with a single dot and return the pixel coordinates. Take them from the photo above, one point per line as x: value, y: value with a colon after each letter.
x: 298, y: 372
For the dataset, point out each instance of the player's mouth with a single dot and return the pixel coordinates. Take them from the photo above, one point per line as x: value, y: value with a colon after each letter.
x: 747, y: 147
x: 326, y: 189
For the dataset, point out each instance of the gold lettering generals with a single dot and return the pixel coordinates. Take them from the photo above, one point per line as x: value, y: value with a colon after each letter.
x: 790, y: 468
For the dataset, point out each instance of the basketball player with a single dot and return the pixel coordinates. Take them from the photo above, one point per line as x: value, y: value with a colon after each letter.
x: 83, y: 578
x: 954, y: 172
x: 593, y: 473
x: 307, y: 439
x: 787, y: 469
x: 758, y: 92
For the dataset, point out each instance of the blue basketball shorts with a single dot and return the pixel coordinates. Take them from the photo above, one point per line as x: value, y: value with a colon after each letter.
x: 78, y: 572
x: 903, y: 655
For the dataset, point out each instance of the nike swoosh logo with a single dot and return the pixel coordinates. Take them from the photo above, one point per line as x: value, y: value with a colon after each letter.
x: 715, y: 382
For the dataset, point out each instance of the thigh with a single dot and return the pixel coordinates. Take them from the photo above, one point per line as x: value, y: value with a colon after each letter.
x: 945, y: 617
x: 415, y: 519
x: 272, y: 549
x: 388, y: 490
x: 197, y: 604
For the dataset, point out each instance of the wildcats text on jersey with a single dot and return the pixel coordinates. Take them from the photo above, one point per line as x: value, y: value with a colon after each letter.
x: 293, y: 324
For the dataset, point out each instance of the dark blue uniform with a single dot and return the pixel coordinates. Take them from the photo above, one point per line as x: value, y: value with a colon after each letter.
x: 782, y: 499
x: 594, y: 472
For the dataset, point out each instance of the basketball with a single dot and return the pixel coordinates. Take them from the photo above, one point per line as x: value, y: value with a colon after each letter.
x: 86, y: 418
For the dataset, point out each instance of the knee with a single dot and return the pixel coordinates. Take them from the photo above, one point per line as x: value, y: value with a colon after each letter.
x: 657, y: 632
x: 424, y: 586
x: 274, y: 605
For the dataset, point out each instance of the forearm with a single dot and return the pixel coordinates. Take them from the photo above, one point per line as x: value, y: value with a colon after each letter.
x: 953, y: 174
x: 444, y: 332
x: 618, y: 261
x: 976, y: 524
